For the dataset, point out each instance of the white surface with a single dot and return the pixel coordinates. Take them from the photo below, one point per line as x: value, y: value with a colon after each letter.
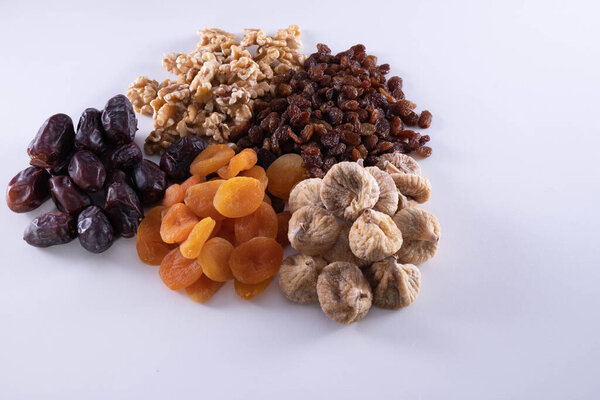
x: 509, y: 307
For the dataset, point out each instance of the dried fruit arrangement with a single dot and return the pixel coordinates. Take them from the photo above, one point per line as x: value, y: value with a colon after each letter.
x: 219, y: 224
x: 96, y: 176
x: 359, y: 232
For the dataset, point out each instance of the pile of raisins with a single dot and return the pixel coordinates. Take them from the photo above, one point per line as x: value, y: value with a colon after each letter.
x: 337, y: 108
x: 96, y: 175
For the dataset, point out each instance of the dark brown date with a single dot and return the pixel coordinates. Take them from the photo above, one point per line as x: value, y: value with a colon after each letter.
x: 176, y: 160
x: 124, y: 157
x: 68, y: 197
x: 50, y: 229
x: 124, y: 209
x: 94, y: 230
x: 118, y: 120
x: 53, y: 143
x: 150, y: 181
x: 28, y: 189
x: 87, y: 171
x: 90, y: 133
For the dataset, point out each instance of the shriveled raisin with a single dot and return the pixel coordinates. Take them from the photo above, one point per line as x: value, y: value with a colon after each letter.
x: 178, y: 272
x: 150, y: 247
x: 247, y: 291
x: 211, y: 159
x: 262, y: 222
x: 192, y: 246
x: 238, y: 197
x: 256, y: 260
x: 177, y: 223
x: 425, y: 119
x: 214, y: 259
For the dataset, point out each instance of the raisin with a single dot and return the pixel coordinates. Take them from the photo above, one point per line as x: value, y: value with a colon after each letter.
x: 178, y: 272
x: 124, y: 209
x: 50, y: 229
x: 262, y: 222
x: 214, y: 259
x: 284, y: 173
x: 248, y: 292
x: 150, y: 181
x: 53, y: 143
x: 68, y: 197
x: 177, y: 223
x: 124, y: 157
x: 150, y: 247
x: 199, y: 198
x: 118, y: 120
x: 238, y: 197
x: 245, y: 160
x: 192, y: 246
x: 94, y: 230
x: 28, y: 189
x: 283, y: 222
x: 265, y: 158
x: 211, y: 159
x: 410, y: 119
x: 90, y: 133
x: 176, y: 160
x: 87, y: 171
x: 424, y: 151
x: 425, y: 119
x: 277, y: 203
x: 203, y: 289
x: 256, y: 260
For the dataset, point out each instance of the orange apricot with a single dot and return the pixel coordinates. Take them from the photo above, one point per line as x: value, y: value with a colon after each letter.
x: 177, y: 223
x: 178, y: 272
x: 238, y: 197
x: 283, y: 222
x: 257, y: 172
x: 214, y: 259
x: 211, y: 159
x: 199, y: 198
x: 192, y: 246
x: 247, y: 292
x: 256, y: 260
x: 203, y: 289
x: 284, y: 173
x: 262, y: 222
x: 244, y: 160
x: 150, y: 247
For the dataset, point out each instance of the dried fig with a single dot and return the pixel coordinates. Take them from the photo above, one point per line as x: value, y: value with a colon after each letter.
x: 340, y: 251
x: 374, y: 236
x: 416, y: 187
x: 348, y: 189
x: 344, y: 293
x: 388, y: 193
x: 298, y: 278
x: 394, y: 285
x: 399, y: 163
x: 312, y: 230
x: 305, y: 193
x: 421, y: 233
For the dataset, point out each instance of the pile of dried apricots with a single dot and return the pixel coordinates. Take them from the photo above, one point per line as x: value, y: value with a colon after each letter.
x: 219, y: 225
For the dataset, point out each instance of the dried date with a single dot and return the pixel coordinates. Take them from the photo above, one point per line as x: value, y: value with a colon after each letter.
x: 50, y: 229
x: 28, y: 189
x: 118, y: 120
x: 94, y: 230
x: 87, y: 171
x: 68, y: 197
x: 124, y: 209
x: 53, y: 143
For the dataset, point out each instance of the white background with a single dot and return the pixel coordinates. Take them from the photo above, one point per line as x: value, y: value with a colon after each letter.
x: 508, y: 308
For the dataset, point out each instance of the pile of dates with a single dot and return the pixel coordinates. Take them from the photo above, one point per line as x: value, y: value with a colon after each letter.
x: 96, y: 175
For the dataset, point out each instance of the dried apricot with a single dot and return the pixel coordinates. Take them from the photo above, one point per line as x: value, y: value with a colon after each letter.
x: 214, y: 259
x: 150, y: 247
x: 227, y: 230
x: 262, y: 222
x: 247, y: 292
x: 216, y: 229
x: 256, y: 260
x: 238, y: 197
x: 242, y: 161
x: 211, y: 159
x: 257, y: 172
x: 203, y: 289
x: 173, y: 195
x: 283, y: 223
x: 199, y: 198
x: 191, y: 181
x: 192, y: 246
x: 178, y: 272
x: 177, y: 223
x: 284, y: 173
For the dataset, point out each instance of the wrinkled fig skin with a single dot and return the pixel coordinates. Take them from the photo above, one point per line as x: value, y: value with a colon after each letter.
x: 124, y: 157
x: 28, y: 189
x: 344, y: 293
x: 50, y: 229
x: 53, y: 143
x: 421, y: 231
x: 118, y: 120
x: 394, y: 285
x: 87, y: 171
x: 90, y: 133
x: 388, y: 193
x: 374, y: 236
x: 399, y: 163
x: 176, y: 160
x: 68, y: 197
x: 298, y: 278
x: 124, y: 209
x: 94, y: 230
x: 306, y: 193
x: 150, y: 181
x: 313, y: 230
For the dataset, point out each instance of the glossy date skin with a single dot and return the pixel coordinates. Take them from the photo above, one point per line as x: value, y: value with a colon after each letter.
x: 119, y: 120
x: 90, y: 132
x: 50, y: 229
x: 53, y: 143
x: 176, y: 160
x: 87, y: 171
x: 28, y: 189
x: 150, y: 181
x: 124, y: 209
x: 68, y: 197
x: 124, y: 157
x: 94, y: 230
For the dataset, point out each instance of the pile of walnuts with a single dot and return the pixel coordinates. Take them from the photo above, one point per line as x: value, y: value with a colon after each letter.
x: 215, y: 86
x: 359, y: 233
